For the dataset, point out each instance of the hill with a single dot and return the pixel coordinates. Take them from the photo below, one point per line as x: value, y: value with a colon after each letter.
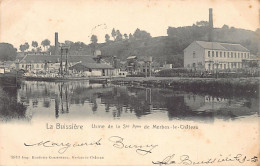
x: 170, y: 48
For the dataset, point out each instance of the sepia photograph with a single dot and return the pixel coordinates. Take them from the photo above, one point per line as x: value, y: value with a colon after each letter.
x: 142, y: 82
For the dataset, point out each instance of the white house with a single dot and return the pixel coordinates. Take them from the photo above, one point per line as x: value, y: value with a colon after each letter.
x: 210, y: 56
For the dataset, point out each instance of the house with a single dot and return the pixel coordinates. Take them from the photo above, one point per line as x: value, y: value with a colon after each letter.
x: 97, y: 69
x: 142, y: 67
x: 212, y: 56
x: 7, y: 66
x: 50, y: 63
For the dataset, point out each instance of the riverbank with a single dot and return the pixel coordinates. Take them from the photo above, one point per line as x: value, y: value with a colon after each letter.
x: 236, y: 86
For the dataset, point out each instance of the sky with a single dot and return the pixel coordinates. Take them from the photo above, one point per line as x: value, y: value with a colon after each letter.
x: 76, y: 20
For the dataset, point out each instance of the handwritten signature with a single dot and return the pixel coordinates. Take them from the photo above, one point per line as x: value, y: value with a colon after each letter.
x: 117, y: 142
x: 140, y: 149
x: 64, y: 146
x: 186, y: 160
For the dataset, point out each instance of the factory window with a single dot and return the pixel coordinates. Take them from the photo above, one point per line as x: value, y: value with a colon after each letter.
x: 228, y: 54
x: 212, y: 53
x: 194, y: 54
x: 208, y: 53
x: 220, y: 54
x: 216, y: 53
x: 224, y: 54
x: 231, y: 54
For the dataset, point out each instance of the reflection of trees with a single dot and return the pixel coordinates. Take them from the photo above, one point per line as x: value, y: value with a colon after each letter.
x: 121, y: 100
x: 9, y: 107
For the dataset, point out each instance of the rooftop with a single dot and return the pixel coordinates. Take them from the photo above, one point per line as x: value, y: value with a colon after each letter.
x: 92, y: 66
x: 56, y: 58
x: 222, y: 46
x: 131, y: 57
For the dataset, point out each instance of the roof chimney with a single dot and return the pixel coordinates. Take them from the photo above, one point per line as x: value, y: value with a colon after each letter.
x: 210, y: 25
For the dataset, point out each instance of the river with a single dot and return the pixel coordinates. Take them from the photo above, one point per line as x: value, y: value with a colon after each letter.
x: 81, y: 100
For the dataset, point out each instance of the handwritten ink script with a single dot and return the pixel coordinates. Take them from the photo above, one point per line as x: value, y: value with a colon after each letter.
x: 117, y: 142
x: 140, y: 149
x: 145, y: 149
x: 187, y: 160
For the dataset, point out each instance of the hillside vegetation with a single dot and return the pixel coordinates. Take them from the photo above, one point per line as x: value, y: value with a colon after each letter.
x: 169, y: 48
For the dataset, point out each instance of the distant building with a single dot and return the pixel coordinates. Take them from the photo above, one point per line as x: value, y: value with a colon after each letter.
x: 212, y: 56
x: 141, y: 67
x: 101, y: 69
x: 50, y: 63
x: 252, y: 62
x: 131, y: 64
x: 166, y: 66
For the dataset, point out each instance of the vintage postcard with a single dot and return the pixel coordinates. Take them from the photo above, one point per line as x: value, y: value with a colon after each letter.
x: 142, y: 82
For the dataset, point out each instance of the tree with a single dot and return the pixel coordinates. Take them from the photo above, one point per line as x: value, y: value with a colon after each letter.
x: 131, y: 36
x: 7, y: 52
x: 140, y: 34
x: 125, y: 36
x: 225, y: 27
x: 22, y: 47
x: 107, y: 38
x: 34, y: 44
x: 93, y: 44
x: 94, y: 39
x: 113, y: 33
x: 68, y: 43
x: 119, y: 36
x: 39, y: 49
x: 202, y: 23
x: 45, y: 43
x: 26, y: 45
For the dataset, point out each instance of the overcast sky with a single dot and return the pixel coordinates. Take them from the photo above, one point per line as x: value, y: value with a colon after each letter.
x: 76, y: 20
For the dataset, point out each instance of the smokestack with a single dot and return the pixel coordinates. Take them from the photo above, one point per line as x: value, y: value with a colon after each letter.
x: 210, y: 25
x: 56, y: 43
x: 56, y: 39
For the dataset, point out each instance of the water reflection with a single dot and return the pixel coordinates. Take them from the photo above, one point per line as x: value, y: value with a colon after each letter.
x: 83, y: 100
x: 10, y: 108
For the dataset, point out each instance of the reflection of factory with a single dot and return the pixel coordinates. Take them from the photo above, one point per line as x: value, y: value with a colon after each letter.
x: 220, y: 106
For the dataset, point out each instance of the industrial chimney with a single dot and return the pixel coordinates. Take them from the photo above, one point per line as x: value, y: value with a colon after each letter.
x: 210, y: 25
x: 56, y: 43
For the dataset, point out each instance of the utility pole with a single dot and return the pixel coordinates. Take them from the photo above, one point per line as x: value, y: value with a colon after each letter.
x: 145, y: 69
